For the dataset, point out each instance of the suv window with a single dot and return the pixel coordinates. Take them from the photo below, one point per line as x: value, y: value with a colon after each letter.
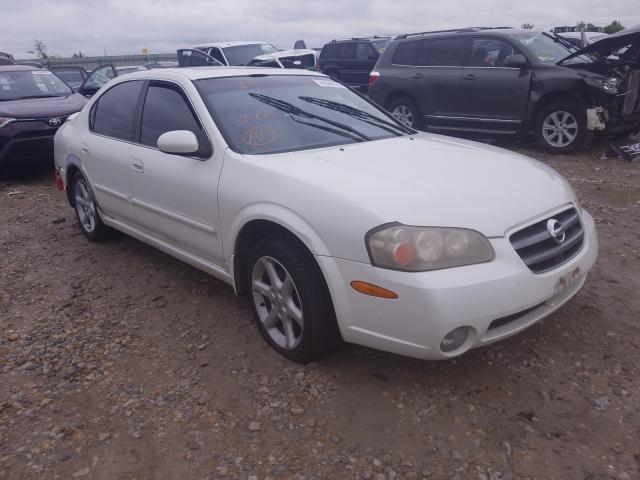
x: 166, y: 109
x: 490, y: 52
x: 364, y: 51
x: 447, y: 52
x: 408, y: 53
x: 330, y: 50
x: 114, y: 112
x: 348, y: 51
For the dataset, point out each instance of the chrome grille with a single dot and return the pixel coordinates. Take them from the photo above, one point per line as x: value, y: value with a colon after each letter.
x: 540, y: 251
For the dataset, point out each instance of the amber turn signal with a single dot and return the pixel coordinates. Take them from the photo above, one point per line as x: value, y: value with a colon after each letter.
x: 373, y: 290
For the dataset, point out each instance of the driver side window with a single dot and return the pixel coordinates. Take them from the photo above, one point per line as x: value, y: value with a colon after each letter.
x: 166, y: 109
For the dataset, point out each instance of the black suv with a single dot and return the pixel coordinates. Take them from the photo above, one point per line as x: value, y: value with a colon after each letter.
x: 509, y: 81
x: 352, y: 60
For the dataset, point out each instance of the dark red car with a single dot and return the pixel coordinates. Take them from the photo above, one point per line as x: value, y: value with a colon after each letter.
x: 33, y: 104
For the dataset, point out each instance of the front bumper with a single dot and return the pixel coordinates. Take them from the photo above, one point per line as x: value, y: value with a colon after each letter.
x: 431, y: 304
x: 24, y: 142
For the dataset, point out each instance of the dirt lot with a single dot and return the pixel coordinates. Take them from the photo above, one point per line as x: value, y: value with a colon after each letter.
x: 119, y: 362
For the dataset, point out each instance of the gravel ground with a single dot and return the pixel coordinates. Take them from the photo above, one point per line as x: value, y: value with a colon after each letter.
x: 119, y: 362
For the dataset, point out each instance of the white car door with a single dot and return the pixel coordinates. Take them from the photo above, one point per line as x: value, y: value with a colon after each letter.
x: 106, y: 150
x: 175, y: 196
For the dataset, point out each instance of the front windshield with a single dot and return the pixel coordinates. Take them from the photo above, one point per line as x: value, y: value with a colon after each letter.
x: 241, y: 54
x: 544, y: 47
x: 282, y: 113
x: 16, y: 85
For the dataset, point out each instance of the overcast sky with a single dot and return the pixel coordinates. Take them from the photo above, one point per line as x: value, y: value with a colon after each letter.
x: 127, y: 26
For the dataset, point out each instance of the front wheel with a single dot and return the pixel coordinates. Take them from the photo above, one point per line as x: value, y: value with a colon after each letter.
x: 291, y: 302
x: 560, y: 128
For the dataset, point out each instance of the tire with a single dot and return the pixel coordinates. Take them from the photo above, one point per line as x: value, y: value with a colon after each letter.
x: 302, y: 293
x: 85, y: 206
x: 407, y: 112
x: 560, y: 128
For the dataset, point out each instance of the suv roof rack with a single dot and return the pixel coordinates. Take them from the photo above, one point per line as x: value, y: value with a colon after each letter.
x: 453, y: 30
x: 370, y: 37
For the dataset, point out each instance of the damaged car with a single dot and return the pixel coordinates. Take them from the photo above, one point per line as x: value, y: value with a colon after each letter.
x: 297, y: 58
x: 504, y: 81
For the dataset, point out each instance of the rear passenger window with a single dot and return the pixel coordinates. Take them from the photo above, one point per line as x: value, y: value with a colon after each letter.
x: 365, y: 51
x: 348, y: 51
x: 165, y: 110
x: 407, y: 53
x: 115, y: 111
x: 448, y: 52
x: 330, y: 50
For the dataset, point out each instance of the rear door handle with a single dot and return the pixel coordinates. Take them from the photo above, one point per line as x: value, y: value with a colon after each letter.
x: 84, y: 148
x: 137, y: 165
x: 470, y: 76
x: 417, y: 76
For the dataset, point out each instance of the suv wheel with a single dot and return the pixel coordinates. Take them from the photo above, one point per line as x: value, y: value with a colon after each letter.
x: 406, y: 112
x: 560, y: 128
x: 87, y: 211
x: 290, y: 301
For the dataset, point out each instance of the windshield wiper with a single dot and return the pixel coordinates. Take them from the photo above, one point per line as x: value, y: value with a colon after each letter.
x: 293, y: 110
x: 359, y: 114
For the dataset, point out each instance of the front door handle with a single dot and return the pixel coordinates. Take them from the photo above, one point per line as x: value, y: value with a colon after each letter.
x: 137, y: 165
x: 470, y: 76
x: 417, y: 76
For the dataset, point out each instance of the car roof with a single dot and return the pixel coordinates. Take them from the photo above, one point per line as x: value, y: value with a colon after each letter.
x: 19, y: 68
x: 501, y: 31
x: 375, y: 38
x: 199, y: 73
x: 231, y: 44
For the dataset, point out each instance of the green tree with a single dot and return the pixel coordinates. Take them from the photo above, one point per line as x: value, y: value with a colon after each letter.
x: 527, y: 26
x: 613, y: 27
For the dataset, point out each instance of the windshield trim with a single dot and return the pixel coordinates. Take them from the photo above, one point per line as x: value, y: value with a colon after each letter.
x: 227, y: 137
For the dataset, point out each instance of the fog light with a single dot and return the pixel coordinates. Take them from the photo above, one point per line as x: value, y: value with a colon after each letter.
x: 455, y: 339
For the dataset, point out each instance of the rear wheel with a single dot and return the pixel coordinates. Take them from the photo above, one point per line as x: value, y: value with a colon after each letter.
x: 87, y: 210
x: 290, y: 300
x: 406, y: 111
x: 560, y: 128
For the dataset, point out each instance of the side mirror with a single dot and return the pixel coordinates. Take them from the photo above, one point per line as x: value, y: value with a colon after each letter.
x: 515, y: 61
x: 178, y: 142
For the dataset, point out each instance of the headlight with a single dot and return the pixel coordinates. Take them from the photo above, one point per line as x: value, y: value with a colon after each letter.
x: 6, y: 121
x: 417, y: 249
x: 609, y: 85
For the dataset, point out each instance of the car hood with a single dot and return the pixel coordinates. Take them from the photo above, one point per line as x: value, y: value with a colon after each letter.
x: 42, y: 107
x: 431, y: 180
x: 606, y: 45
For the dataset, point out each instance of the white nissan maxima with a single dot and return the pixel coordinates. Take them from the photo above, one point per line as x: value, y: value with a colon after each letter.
x: 337, y: 221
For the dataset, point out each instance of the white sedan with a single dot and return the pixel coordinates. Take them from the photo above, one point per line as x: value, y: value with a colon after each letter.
x: 339, y: 222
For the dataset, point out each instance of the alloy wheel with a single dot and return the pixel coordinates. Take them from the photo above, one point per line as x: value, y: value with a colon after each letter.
x: 403, y: 114
x: 85, y: 206
x: 277, y: 302
x: 560, y: 129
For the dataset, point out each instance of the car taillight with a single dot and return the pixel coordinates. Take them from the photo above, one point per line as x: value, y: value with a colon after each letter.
x: 59, y: 182
x: 373, y: 77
